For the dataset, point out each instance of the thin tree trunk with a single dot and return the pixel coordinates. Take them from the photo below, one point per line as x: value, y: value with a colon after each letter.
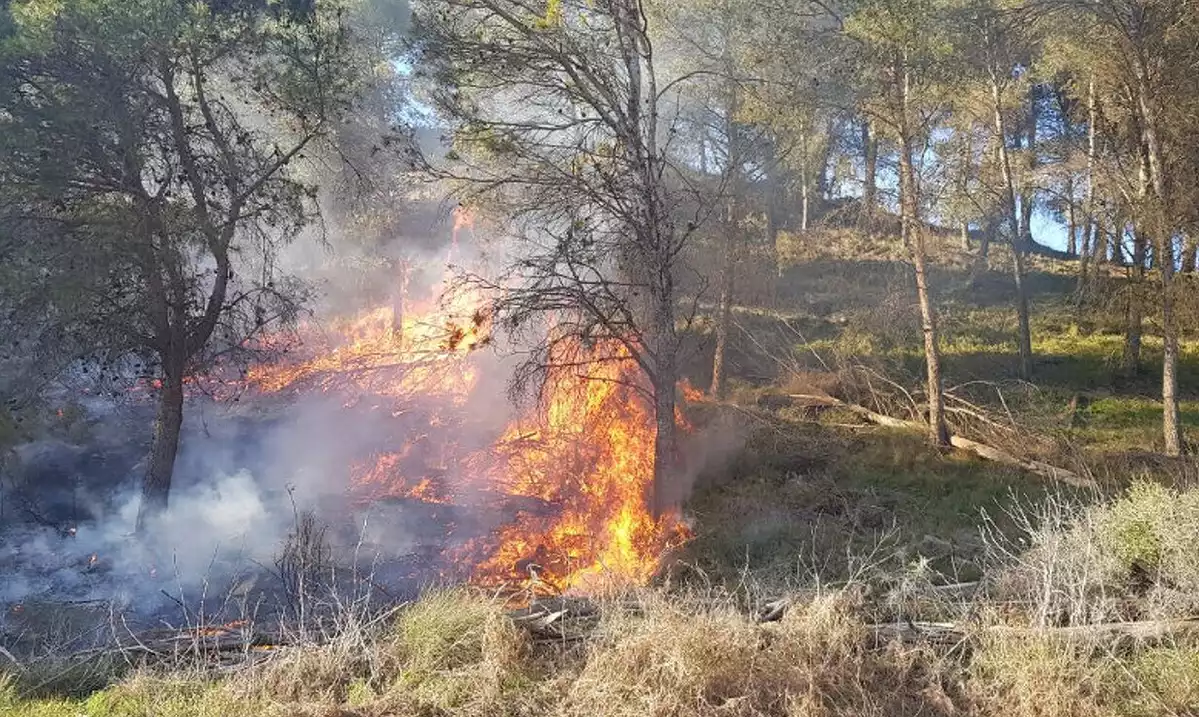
x: 732, y: 242
x: 1116, y: 240
x: 398, y: 297
x: 1024, y: 331
x: 724, y: 313
x: 1190, y: 252
x: 156, y: 484
x: 1071, y: 221
x: 1171, y: 423
x: 913, y: 232
x: 666, y: 454
x: 966, y: 151
x: 804, y: 179
x: 1099, y: 244
x: 1091, y: 229
x: 823, y: 184
x: 1135, y: 312
x: 1027, y: 196
x: 870, y: 182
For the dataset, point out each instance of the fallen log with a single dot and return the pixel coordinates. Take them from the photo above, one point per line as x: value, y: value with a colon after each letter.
x: 908, y: 632
x: 979, y: 449
x: 1141, y: 631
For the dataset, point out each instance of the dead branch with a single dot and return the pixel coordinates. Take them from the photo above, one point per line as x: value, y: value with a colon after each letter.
x: 6, y: 654
x: 980, y: 449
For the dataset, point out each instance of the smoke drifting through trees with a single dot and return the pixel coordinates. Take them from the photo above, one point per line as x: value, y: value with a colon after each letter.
x: 605, y: 143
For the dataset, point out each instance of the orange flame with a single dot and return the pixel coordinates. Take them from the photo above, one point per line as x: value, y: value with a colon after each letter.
x: 586, y: 453
x: 592, y: 454
x: 690, y: 393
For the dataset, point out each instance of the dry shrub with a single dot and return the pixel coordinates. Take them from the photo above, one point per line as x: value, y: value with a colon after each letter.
x: 447, y: 646
x: 818, y: 661
x: 8, y: 692
x: 1133, y: 557
x: 451, y: 629
x: 1164, y: 680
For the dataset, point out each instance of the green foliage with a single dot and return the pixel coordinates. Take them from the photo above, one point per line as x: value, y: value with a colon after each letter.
x: 1132, y: 526
x: 444, y: 631
x: 1161, y: 680
x: 1153, y: 529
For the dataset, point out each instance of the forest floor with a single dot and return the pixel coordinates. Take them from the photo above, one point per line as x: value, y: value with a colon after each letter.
x: 916, y: 581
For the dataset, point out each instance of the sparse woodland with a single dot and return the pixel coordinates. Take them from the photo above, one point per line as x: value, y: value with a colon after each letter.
x: 904, y: 291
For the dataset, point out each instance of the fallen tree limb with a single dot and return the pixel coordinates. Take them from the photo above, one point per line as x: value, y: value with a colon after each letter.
x: 906, y: 631
x: 1146, y: 630
x: 979, y: 449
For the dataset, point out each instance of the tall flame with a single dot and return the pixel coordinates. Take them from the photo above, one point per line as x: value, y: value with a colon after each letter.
x: 586, y: 453
x: 591, y: 453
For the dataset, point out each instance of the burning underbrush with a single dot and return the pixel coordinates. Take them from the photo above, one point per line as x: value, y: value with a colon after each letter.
x: 565, y: 485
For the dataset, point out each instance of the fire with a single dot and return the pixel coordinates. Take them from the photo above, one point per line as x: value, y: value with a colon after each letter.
x: 376, y: 354
x: 690, y: 393
x: 590, y: 452
x: 383, y: 478
x: 585, y: 453
x: 227, y: 629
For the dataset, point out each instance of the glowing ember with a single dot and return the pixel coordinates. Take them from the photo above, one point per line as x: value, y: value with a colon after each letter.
x: 219, y: 630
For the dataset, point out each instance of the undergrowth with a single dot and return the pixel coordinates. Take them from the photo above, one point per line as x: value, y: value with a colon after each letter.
x: 687, y: 651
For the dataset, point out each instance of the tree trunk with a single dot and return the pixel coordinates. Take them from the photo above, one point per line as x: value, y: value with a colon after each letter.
x: 1134, y: 312
x: 984, y: 246
x: 156, y: 484
x: 1019, y: 232
x: 1190, y: 252
x: 913, y: 235
x: 1171, y: 422
x: 724, y: 312
x: 1092, y: 227
x: 398, y: 295
x: 1027, y: 191
x: 1071, y: 221
x: 666, y: 454
x: 966, y: 151
x: 938, y: 430
x: 823, y: 184
x: 1116, y: 240
x: 732, y: 243
x: 870, y: 182
x: 805, y: 179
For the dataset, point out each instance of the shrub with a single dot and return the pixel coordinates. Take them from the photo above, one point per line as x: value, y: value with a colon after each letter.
x: 1037, y: 676
x: 1136, y: 556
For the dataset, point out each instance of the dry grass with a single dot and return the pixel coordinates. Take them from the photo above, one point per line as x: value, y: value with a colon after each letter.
x: 819, y: 660
x: 655, y: 654
x: 674, y: 653
x: 1038, y: 677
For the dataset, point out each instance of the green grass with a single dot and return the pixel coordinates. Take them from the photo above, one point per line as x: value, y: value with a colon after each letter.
x: 804, y: 498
